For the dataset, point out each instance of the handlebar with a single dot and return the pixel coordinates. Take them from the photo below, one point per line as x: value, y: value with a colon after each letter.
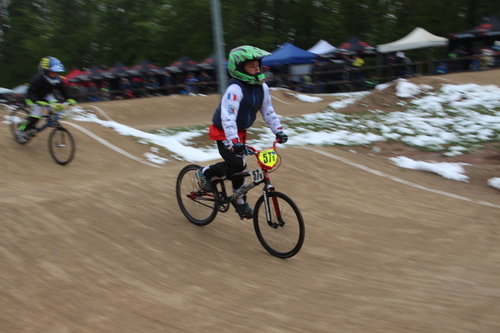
x: 57, y: 107
x: 252, y: 151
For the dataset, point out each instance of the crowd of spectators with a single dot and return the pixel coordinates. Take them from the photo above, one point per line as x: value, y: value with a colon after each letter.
x: 344, y: 72
x: 349, y: 72
x: 479, y: 58
x: 144, y: 85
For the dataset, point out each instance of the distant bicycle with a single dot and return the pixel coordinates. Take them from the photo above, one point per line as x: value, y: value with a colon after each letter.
x: 61, y: 143
x: 277, y: 220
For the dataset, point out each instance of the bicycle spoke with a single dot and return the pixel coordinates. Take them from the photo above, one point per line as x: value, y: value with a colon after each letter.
x: 198, y: 206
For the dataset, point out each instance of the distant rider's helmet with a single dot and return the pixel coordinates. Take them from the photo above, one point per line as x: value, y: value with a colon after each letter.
x: 53, y: 65
x: 237, y: 58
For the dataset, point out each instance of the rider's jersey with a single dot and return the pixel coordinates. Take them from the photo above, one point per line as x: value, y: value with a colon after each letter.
x: 238, y: 110
x: 40, y: 87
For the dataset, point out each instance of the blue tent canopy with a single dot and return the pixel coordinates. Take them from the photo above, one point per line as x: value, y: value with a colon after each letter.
x: 288, y: 54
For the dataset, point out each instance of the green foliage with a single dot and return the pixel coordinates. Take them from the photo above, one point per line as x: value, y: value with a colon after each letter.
x: 82, y: 33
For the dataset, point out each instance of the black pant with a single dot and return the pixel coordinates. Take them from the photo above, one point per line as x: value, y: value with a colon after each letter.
x: 30, y: 123
x: 232, y: 164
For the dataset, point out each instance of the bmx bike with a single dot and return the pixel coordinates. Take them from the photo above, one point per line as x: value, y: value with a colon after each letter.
x: 61, y: 143
x: 277, y: 220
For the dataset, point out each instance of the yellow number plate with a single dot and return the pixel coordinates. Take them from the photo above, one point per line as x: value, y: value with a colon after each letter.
x: 268, y: 157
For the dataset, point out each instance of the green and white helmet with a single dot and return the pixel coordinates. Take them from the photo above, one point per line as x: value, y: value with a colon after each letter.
x: 237, y: 58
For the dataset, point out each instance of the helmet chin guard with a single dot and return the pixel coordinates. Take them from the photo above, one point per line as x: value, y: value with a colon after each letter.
x: 239, y: 56
x: 51, y: 64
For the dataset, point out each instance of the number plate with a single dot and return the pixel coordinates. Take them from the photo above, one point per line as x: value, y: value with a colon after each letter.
x: 257, y: 175
x: 268, y: 158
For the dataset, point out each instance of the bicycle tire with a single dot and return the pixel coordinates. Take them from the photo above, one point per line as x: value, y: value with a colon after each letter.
x: 280, y: 240
x: 16, y: 118
x: 198, y: 206
x: 61, y: 145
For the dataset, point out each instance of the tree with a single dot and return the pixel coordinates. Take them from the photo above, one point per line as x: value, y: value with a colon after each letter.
x: 82, y: 33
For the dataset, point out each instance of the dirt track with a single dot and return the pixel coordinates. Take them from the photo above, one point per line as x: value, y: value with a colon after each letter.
x: 101, y: 246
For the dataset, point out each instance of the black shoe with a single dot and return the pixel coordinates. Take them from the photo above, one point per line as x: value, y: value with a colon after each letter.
x: 245, y: 211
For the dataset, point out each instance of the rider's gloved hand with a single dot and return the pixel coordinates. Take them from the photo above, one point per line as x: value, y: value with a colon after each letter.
x: 239, y: 148
x: 281, y: 137
x: 42, y: 103
x: 59, y: 108
x: 71, y: 101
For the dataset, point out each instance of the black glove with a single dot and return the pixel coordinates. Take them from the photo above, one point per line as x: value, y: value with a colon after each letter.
x: 239, y: 148
x: 281, y: 137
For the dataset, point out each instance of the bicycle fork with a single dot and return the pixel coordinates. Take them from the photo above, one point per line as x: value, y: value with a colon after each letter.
x: 270, y: 188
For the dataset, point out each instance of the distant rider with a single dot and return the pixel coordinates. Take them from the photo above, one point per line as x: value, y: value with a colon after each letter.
x: 40, y: 91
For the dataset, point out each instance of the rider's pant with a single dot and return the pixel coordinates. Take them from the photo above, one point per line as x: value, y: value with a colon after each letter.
x: 232, y: 164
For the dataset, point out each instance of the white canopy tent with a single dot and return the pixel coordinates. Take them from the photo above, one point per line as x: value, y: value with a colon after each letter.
x: 6, y: 91
x: 417, y: 39
x: 322, y: 47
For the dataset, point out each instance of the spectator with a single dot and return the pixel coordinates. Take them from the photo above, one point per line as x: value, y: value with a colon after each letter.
x: 137, y: 85
x: 308, y: 85
x: 126, y: 88
x: 487, y: 59
x: 105, y: 91
x: 457, y: 64
x: 206, y: 83
x: 357, y: 63
x: 390, y: 60
x: 406, y: 68
x: 152, y: 86
x: 93, y: 93
x: 496, y: 50
x: 270, y: 80
x: 317, y: 79
x: 279, y: 80
x: 400, y: 64
x: 442, y: 68
x: 167, y: 83
x: 190, y: 83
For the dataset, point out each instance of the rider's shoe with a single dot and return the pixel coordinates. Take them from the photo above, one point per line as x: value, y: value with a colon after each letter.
x: 22, y: 135
x: 205, y: 183
x: 26, y: 134
x: 245, y: 210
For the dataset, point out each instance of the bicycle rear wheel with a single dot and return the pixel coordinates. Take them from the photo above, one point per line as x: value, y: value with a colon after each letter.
x: 16, y: 118
x: 61, y: 145
x: 199, y: 207
x: 284, y: 235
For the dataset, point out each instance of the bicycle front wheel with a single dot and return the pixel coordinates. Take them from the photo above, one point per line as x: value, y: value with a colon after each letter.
x: 199, y: 207
x: 61, y: 145
x: 283, y: 235
x: 16, y: 118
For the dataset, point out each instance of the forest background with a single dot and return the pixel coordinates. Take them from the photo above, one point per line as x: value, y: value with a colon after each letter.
x: 82, y: 33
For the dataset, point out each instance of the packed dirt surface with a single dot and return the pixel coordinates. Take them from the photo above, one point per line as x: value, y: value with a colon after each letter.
x: 100, y: 245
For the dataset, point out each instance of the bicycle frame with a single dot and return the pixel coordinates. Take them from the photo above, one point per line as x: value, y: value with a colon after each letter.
x: 266, y: 163
x: 51, y: 120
